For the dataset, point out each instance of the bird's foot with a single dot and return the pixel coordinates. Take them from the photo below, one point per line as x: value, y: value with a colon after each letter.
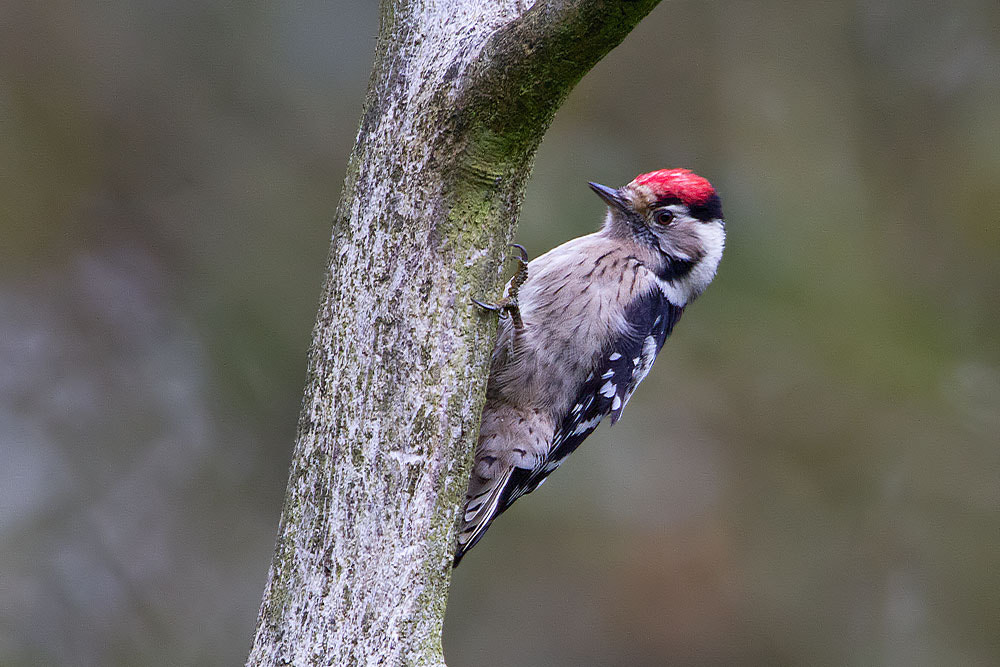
x: 507, y: 306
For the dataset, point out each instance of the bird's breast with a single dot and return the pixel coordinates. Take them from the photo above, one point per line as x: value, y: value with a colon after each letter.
x: 572, y: 305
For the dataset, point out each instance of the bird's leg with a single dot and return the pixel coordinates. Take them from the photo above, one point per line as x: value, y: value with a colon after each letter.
x: 515, y: 284
x: 507, y: 306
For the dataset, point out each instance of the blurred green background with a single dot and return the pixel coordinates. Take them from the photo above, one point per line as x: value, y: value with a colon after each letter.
x: 810, y: 475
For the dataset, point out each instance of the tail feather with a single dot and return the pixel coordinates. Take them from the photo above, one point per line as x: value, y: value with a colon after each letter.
x: 481, y: 507
x: 511, y: 444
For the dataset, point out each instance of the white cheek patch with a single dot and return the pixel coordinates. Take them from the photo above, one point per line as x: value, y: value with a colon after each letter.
x: 713, y: 239
x: 713, y: 236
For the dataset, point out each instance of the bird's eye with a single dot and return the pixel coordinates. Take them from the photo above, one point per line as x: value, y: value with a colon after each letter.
x: 664, y: 216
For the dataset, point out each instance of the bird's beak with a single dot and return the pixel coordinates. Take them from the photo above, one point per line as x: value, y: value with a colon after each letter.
x: 610, y: 196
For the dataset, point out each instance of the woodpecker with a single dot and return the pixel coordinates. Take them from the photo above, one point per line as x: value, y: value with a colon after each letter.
x: 580, y: 327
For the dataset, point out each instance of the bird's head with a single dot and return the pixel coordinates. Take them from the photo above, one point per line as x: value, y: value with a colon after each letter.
x: 677, y: 216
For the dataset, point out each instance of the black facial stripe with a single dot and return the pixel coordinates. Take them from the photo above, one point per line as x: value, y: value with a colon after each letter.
x: 674, y: 268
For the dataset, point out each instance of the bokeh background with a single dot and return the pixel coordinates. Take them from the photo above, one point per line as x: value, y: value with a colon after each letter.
x: 810, y: 475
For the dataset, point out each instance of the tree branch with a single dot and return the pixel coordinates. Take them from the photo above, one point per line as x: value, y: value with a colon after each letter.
x: 529, y: 66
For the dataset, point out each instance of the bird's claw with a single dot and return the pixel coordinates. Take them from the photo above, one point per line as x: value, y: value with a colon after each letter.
x: 507, y: 306
x: 495, y: 307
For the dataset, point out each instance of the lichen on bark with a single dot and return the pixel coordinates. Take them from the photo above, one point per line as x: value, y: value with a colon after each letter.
x: 460, y: 95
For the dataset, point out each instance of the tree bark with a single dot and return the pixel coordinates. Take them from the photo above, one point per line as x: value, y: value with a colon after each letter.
x: 460, y: 95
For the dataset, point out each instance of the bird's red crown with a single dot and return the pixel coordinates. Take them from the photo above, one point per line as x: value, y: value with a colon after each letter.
x: 684, y: 184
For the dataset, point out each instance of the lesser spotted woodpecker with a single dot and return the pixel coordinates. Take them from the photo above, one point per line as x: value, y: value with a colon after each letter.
x: 582, y: 328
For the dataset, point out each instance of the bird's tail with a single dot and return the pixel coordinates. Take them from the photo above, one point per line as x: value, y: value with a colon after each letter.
x: 482, y: 505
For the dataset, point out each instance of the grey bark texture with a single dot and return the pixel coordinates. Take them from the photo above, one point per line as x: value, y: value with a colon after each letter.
x: 460, y: 95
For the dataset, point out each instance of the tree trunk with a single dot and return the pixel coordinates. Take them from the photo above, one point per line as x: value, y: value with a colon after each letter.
x: 460, y: 95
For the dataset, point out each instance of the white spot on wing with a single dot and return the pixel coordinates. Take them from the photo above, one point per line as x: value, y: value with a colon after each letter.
x: 614, y: 356
x: 647, y: 357
x: 608, y: 374
x: 582, y: 427
x: 608, y: 389
x: 617, y: 403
